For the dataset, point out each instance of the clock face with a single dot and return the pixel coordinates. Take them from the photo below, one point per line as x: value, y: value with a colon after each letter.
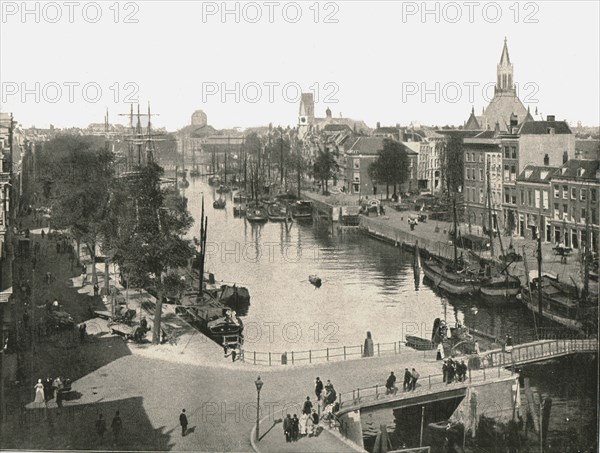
x: 303, y: 119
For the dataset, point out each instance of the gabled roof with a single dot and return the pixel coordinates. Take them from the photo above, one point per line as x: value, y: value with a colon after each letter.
x: 537, y: 174
x: 541, y: 127
x: 336, y: 127
x: 386, y: 130
x: 367, y: 145
x: 571, y: 170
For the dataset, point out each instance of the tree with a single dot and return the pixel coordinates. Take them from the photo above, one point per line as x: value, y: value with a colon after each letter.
x: 453, y: 168
x: 325, y: 167
x: 145, y: 234
x: 391, y: 166
x: 78, y: 179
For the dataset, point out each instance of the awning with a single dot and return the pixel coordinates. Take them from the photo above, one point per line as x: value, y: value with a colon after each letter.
x: 5, y: 295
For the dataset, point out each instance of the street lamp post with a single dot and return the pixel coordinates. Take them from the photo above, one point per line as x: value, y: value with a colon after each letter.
x: 259, y: 385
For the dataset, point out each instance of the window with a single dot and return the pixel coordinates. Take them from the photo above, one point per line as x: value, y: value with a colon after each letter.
x: 529, y: 198
x: 481, y: 174
x: 356, y: 163
x: 514, y: 199
x: 556, y: 191
x: 573, y: 193
x: 565, y: 192
x: 506, y: 152
x: 545, y: 199
x: 537, y: 198
x: 467, y: 157
x: 513, y: 172
x: 513, y: 151
x: 565, y: 212
x: 583, y: 213
x: 481, y: 196
x: 480, y: 157
x: 593, y: 195
x: 466, y: 173
x: 573, y: 214
x: 583, y: 194
x: 556, y: 211
x: 356, y: 177
x: 506, y: 197
x: 522, y: 196
x: 506, y: 173
x: 594, y: 216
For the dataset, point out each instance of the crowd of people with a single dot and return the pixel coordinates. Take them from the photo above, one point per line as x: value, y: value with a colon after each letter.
x: 453, y: 370
x: 46, y: 389
x: 410, y: 381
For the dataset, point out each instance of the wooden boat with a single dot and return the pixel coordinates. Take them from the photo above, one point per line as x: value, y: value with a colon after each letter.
x: 223, y: 189
x: 453, y: 279
x: 560, y: 303
x: 216, y: 320
x: 214, y: 180
x: 502, y: 285
x: 315, y: 281
x: 219, y: 204
x: 277, y: 212
x: 257, y: 214
x: 418, y: 343
x: 302, y: 209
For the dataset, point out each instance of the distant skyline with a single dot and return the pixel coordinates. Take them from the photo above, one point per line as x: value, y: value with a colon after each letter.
x: 371, y: 61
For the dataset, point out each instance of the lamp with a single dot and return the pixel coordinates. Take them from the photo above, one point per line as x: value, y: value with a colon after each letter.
x: 259, y: 385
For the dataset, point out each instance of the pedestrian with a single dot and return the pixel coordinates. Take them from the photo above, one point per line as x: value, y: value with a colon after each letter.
x: 287, y: 428
x: 39, y: 392
x: 100, y: 427
x: 464, y: 369
x: 390, y: 385
x: 445, y: 371
x: 315, y: 421
x: 57, y: 247
x: 450, y: 372
x: 295, y: 427
x: 117, y: 427
x: 183, y: 421
x: 415, y: 377
x: 43, y: 234
x: 59, y: 398
x: 307, y: 408
x: 407, y: 379
x: 318, y: 388
x: 440, y: 352
x: 96, y: 289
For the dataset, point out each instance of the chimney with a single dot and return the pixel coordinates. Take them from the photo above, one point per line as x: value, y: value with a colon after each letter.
x: 397, y: 125
x: 546, y: 160
x: 551, y: 118
x: 378, y: 124
x: 565, y: 157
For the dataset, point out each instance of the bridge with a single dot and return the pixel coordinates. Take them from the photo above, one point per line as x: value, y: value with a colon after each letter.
x: 491, y: 376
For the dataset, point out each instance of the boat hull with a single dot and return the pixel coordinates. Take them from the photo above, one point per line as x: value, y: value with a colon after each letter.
x: 452, y: 286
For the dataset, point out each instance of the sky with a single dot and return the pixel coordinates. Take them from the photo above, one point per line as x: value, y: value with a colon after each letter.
x: 245, y: 63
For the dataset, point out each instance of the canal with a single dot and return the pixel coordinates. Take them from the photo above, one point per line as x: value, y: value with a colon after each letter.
x: 367, y: 285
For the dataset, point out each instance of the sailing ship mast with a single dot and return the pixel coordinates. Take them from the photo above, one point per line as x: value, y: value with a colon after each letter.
x: 489, y: 202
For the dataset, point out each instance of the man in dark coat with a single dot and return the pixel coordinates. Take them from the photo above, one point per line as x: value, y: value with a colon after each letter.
x: 407, y: 379
x: 307, y: 409
x: 287, y: 428
x: 117, y: 427
x: 100, y: 427
x: 390, y: 384
x: 295, y: 427
x: 445, y: 371
x: 318, y: 388
x: 183, y: 421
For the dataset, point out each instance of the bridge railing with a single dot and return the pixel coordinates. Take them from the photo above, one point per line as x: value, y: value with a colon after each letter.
x: 488, y: 365
x: 537, y: 350
x: 322, y: 355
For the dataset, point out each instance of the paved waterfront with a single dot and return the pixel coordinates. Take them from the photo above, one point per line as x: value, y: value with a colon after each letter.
x: 437, y: 231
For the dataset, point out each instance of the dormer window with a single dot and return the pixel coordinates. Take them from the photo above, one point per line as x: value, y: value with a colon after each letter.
x: 550, y: 130
x: 528, y: 173
x: 580, y: 172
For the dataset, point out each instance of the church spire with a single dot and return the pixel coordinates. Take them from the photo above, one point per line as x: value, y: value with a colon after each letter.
x: 504, y: 70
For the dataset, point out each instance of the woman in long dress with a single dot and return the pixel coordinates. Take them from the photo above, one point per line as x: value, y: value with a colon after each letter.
x: 39, y: 392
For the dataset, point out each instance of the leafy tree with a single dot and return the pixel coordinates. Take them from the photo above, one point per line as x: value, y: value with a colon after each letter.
x: 78, y: 179
x: 145, y: 234
x: 453, y: 168
x: 325, y: 167
x: 391, y: 166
